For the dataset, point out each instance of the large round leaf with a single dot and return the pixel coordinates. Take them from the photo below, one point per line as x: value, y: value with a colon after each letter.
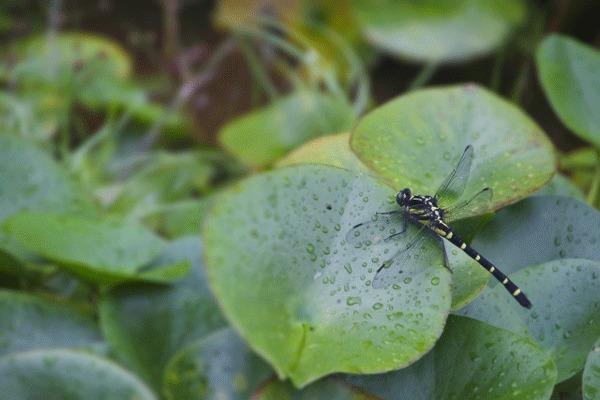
x: 591, y: 374
x: 560, y: 185
x: 281, y: 269
x: 100, y: 250
x: 29, y: 322
x: 219, y: 366
x: 468, y: 278
x: 472, y: 360
x: 262, y: 136
x: 176, y: 314
x: 438, y: 31
x: 67, y: 375
x: 540, y: 229
x: 564, y: 318
x: 416, y: 140
x: 570, y: 76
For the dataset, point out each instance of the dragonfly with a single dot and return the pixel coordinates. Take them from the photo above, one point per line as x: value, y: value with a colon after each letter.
x: 431, y: 216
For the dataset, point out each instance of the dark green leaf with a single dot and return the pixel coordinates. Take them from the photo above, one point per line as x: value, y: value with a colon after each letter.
x: 30, y: 322
x: 176, y: 315
x: 540, y: 229
x: 566, y: 303
x: 570, y: 76
x: 325, y: 389
x: 67, y: 375
x: 472, y: 360
x: 300, y: 295
x: 219, y: 366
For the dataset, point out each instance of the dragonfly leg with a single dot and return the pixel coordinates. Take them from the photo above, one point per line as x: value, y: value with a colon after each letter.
x: 401, y: 231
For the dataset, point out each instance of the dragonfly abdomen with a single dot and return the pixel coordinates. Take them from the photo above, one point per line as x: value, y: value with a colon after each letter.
x: 513, y: 289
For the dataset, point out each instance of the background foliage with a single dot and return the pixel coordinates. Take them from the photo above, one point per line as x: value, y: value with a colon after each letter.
x: 178, y: 178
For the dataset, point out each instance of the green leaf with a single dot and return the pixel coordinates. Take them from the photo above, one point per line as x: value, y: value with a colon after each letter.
x: 166, y: 178
x: 331, y: 150
x: 180, y: 218
x: 438, y: 31
x: 176, y: 315
x: 570, y: 75
x: 472, y: 360
x: 32, y: 180
x: 262, y: 136
x: 100, y: 250
x: 219, y: 366
x: 540, y: 229
x: 416, y: 140
x: 30, y: 322
x: 325, y: 389
x: 560, y: 185
x: 591, y: 374
x: 67, y: 375
x: 566, y: 303
x: 300, y: 295
x: 468, y: 278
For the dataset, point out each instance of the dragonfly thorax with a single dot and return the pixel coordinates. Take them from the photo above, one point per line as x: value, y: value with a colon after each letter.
x: 421, y: 207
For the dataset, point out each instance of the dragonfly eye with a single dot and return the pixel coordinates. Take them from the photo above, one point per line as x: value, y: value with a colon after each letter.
x: 403, y: 197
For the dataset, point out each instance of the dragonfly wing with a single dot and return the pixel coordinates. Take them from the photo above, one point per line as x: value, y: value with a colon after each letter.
x: 382, y: 226
x: 391, y: 270
x: 454, y: 185
x: 476, y: 205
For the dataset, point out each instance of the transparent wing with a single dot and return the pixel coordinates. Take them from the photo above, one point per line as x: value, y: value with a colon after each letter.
x: 392, y: 271
x: 454, y: 185
x: 476, y: 205
x: 382, y: 226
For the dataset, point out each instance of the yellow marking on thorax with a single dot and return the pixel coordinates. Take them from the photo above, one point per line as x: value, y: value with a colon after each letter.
x: 517, y: 292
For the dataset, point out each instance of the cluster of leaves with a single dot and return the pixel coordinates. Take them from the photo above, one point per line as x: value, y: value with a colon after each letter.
x: 110, y: 290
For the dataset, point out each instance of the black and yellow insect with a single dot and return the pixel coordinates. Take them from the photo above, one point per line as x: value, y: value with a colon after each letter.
x: 430, y: 215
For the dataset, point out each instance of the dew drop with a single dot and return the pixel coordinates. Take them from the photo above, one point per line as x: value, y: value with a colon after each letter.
x: 353, y: 300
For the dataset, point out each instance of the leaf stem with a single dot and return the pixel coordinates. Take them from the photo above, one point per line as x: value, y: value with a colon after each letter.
x: 424, y: 76
x: 592, y: 197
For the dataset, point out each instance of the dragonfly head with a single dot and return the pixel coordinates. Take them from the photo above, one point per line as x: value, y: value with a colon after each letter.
x: 403, y: 197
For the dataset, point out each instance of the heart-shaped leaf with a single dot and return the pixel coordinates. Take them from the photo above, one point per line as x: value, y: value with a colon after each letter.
x: 468, y: 278
x: 219, y: 366
x: 438, y: 31
x: 30, y: 322
x: 66, y: 374
x: 570, y: 75
x: 300, y: 295
x: 540, y: 229
x: 262, y: 136
x: 472, y: 360
x: 416, y: 140
x: 566, y: 303
x: 176, y: 315
x: 591, y: 374
x: 100, y: 250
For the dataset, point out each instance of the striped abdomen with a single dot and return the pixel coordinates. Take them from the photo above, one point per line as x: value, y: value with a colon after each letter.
x: 514, y: 290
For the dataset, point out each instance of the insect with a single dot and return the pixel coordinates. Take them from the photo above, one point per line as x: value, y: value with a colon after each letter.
x: 431, y: 217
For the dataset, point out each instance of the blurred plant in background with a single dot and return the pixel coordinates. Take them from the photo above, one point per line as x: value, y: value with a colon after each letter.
x: 177, y: 179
